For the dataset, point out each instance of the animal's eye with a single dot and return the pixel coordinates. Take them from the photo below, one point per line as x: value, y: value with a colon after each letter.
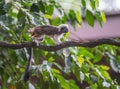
x: 63, y: 28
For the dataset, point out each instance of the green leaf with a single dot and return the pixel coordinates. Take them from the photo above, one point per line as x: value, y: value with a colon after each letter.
x: 99, y: 18
x: 103, y: 17
x: 66, y: 36
x: 26, y: 3
x: 72, y: 15
x: 104, y: 67
x: 84, y: 3
x: 51, y: 59
x: 85, y: 68
x: 56, y: 21
x: 20, y: 14
x: 6, y: 20
x: 20, y: 85
x: 76, y: 72
x: 41, y: 6
x: 98, y: 56
x: 92, y: 3
x: 94, y: 86
x: 105, y: 74
x: 2, y: 11
x: 48, y: 40
x: 48, y: 16
x: 73, y: 85
x: 64, y: 19
x: 56, y: 71
x: 85, y: 52
x: 49, y: 9
x: 97, y: 3
x: 115, y: 86
x: 34, y: 7
x: 80, y: 60
x: 63, y: 82
x: 13, y: 12
x: 7, y: 6
x: 53, y: 85
x: 118, y: 59
x: 90, y: 18
x: 78, y: 17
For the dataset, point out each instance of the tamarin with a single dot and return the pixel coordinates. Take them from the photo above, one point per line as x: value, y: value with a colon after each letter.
x: 55, y: 32
x: 38, y: 33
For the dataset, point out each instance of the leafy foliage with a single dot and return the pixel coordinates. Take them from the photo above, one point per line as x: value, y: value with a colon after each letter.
x: 52, y: 70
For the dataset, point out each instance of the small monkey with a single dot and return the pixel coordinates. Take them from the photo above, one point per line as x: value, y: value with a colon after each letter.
x: 38, y: 33
x: 55, y: 32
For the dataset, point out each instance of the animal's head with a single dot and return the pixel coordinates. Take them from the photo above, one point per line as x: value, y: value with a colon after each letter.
x: 63, y: 28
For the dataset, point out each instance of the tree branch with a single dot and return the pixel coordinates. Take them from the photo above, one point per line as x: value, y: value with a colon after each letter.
x: 60, y: 46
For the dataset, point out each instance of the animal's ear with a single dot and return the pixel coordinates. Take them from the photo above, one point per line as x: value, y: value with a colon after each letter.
x: 31, y: 30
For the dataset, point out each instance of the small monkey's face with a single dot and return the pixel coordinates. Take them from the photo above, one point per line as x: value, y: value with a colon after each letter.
x: 63, y: 28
